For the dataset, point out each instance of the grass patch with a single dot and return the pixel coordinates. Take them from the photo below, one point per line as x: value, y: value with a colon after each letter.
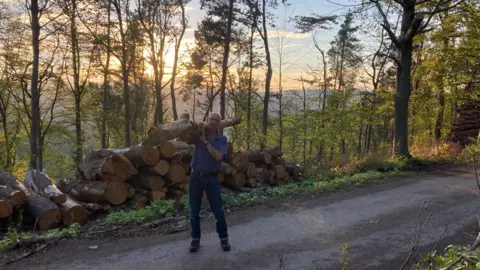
x: 13, y: 236
x: 153, y: 211
x: 455, y: 257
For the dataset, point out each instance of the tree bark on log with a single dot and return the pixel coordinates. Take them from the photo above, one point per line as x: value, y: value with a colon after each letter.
x: 47, y: 213
x: 105, y: 165
x: 275, y: 152
x: 73, y: 212
x: 227, y: 169
x: 130, y: 190
x: 147, y: 182
x: 41, y: 184
x: 9, y: 180
x: 236, y: 181
x: 140, y: 155
x: 99, y: 192
x: 17, y: 197
x: 259, y: 157
x: 152, y: 195
x: 183, y: 128
x: 94, y: 207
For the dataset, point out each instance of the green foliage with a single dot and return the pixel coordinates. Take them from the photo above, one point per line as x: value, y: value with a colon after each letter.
x: 13, y: 236
x: 457, y: 256
x: 155, y: 210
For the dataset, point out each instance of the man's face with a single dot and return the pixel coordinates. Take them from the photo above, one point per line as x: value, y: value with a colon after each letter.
x: 214, y: 121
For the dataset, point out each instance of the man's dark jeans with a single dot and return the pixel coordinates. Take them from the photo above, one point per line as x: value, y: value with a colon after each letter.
x: 211, y: 186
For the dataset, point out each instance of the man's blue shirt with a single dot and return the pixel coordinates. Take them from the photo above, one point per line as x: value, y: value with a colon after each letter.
x: 202, y: 160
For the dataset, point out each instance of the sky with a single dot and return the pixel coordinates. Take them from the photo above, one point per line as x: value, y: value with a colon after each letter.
x: 298, y: 51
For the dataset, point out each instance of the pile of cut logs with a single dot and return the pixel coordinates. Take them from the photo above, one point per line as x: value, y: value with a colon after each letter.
x: 155, y: 170
x: 467, y: 125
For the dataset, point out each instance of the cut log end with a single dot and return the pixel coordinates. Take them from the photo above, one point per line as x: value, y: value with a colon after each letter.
x: 161, y: 168
x: 116, y: 193
x: 73, y: 212
x: 167, y: 150
x: 50, y: 219
x: 176, y: 174
x: 6, y: 208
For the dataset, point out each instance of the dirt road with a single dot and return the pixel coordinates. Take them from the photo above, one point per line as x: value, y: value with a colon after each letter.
x: 377, y: 224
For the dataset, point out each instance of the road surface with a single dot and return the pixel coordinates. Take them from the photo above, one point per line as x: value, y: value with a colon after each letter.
x: 377, y: 224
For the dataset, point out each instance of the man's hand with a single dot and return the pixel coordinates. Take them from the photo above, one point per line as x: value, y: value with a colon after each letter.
x: 202, y: 136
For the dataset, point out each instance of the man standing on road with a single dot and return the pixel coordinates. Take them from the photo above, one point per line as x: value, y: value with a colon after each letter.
x: 210, y: 149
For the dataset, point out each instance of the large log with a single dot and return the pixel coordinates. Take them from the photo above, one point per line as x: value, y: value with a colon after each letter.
x: 161, y: 168
x: 140, y: 201
x: 147, y: 182
x: 183, y: 128
x: 7, y: 179
x: 187, y: 150
x: 152, y: 195
x: 41, y: 183
x: 227, y: 169
x: 176, y: 174
x: 47, y: 213
x: 259, y: 157
x: 140, y: 155
x: 236, y: 181
x: 73, y: 212
x: 18, y: 197
x: 105, y: 165
x: 99, y: 192
x: 275, y: 152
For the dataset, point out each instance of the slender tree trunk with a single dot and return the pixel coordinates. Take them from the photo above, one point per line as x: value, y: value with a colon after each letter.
x: 106, y: 72
x: 35, y: 148
x: 250, y: 85
x: 226, y: 52
x: 359, y: 147
x: 269, y: 74
x: 175, y: 61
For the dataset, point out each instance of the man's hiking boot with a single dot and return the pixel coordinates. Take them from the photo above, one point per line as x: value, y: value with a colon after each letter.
x: 225, y: 245
x: 194, y: 245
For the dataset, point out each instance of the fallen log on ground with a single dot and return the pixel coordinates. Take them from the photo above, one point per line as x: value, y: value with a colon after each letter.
x: 9, y: 180
x: 41, y: 184
x: 259, y: 157
x: 44, y: 210
x: 73, y: 212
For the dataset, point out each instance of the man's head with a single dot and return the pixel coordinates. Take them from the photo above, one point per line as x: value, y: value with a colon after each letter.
x: 213, y: 121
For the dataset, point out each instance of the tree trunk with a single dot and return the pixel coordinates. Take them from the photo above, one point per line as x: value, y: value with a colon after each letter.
x: 226, y: 52
x: 35, y: 148
x: 268, y: 79
x: 41, y: 183
x: 401, y: 101
x: 106, y: 71
x: 250, y: 86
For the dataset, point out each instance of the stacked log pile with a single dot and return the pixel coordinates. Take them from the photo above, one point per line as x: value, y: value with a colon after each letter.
x: 157, y: 169
x: 467, y: 126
